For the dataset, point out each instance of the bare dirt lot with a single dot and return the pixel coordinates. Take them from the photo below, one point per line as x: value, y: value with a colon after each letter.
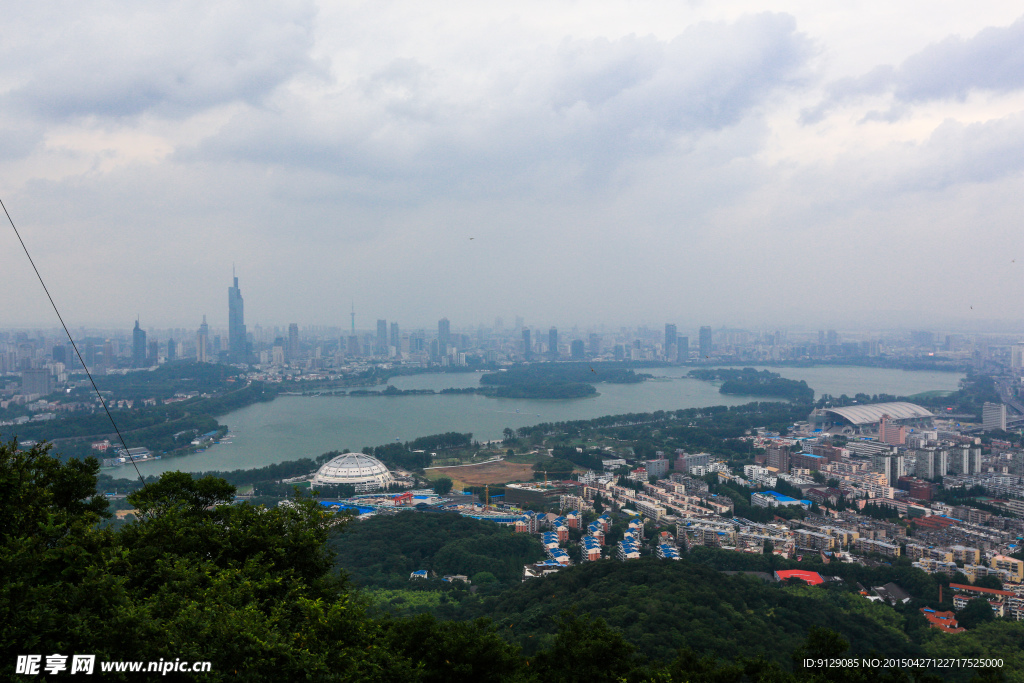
x: 488, y: 473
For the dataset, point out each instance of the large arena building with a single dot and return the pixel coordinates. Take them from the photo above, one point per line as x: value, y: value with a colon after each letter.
x: 865, y: 419
x: 363, y: 471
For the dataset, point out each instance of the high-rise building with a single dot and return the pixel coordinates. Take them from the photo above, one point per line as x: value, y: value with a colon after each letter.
x: 527, y: 344
x: 594, y: 345
x: 237, y: 342
x: 553, y: 342
x: 705, y: 343
x: 138, y: 346
x: 682, y: 349
x: 577, y: 349
x: 380, y: 347
x: 396, y: 338
x: 203, y: 343
x: 444, y: 335
x: 993, y: 416
x: 671, y: 338
x: 153, y: 353
x: 36, y: 381
x: 172, y: 350
x: 293, y: 341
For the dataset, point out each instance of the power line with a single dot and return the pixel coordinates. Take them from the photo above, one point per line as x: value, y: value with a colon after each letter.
x: 73, y: 344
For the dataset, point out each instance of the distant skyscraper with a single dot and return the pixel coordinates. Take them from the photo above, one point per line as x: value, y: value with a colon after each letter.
x: 236, y: 325
x: 993, y: 416
x: 380, y: 344
x: 203, y: 343
x: 671, y: 337
x: 527, y: 344
x: 396, y: 338
x: 138, y: 346
x: 172, y: 350
x: 594, y: 344
x: 553, y: 342
x: 705, y: 343
x: 682, y: 349
x: 293, y: 341
x: 577, y: 349
x: 153, y: 354
x: 444, y: 335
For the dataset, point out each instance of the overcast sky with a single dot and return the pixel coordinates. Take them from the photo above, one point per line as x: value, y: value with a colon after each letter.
x: 570, y: 162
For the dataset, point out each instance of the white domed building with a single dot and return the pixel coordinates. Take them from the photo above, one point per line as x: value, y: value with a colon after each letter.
x: 365, y: 472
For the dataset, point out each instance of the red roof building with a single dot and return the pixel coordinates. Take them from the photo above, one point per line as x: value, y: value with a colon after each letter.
x: 944, y: 621
x: 811, y: 578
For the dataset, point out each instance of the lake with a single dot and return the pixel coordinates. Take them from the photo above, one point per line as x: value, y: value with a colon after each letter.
x: 292, y: 427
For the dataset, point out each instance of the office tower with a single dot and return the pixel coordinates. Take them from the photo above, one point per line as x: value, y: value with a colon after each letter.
x: 553, y: 342
x: 618, y: 352
x: 577, y: 350
x: 527, y: 344
x: 138, y: 346
x: 236, y: 325
x: 203, y: 343
x: 293, y: 341
x: 90, y: 354
x: 778, y: 457
x: 153, y: 353
x: 36, y: 381
x: 682, y: 349
x: 396, y: 338
x: 671, y: 338
x: 172, y: 350
x: 353, y: 345
x: 1017, y: 357
x: 59, y: 354
x: 705, y: 343
x: 380, y: 347
x: 594, y: 345
x: 993, y: 416
x: 444, y: 335
x: 832, y: 338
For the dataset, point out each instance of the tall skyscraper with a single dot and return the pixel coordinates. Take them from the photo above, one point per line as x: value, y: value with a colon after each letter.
x: 704, y: 342
x: 138, y: 346
x: 293, y: 341
x: 594, y: 344
x: 576, y: 349
x: 396, y: 338
x: 671, y: 337
x: 380, y: 345
x: 172, y: 350
x: 527, y: 344
x: 203, y: 343
x: 444, y: 335
x: 553, y: 342
x: 682, y: 349
x: 236, y: 325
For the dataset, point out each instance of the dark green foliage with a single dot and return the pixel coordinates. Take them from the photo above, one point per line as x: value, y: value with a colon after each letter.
x: 751, y: 382
x: 585, y: 650
x: 442, y: 485
x: 555, y: 373
x: 556, y: 468
x: 976, y: 612
x: 382, y: 551
x: 440, y: 442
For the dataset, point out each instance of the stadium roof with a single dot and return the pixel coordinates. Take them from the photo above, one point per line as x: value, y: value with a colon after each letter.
x: 813, y: 578
x: 867, y: 414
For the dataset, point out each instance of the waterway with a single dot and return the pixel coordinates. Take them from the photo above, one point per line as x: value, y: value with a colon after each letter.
x: 292, y: 427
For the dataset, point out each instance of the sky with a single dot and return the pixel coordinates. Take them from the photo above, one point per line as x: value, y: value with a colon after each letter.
x: 618, y: 162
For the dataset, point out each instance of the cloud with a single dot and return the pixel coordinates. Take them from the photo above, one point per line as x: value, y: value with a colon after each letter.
x: 992, y: 60
x: 575, y: 109
x: 122, y: 58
